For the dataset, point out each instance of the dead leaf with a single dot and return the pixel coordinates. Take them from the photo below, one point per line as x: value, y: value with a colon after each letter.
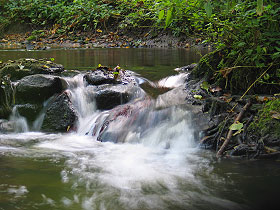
x: 225, y: 71
x: 275, y: 115
x: 215, y: 89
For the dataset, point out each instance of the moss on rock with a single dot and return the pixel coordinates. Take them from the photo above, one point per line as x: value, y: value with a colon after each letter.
x: 29, y: 66
x: 266, y: 121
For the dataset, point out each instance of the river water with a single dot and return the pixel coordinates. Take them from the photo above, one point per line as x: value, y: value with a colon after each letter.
x: 157, y: 165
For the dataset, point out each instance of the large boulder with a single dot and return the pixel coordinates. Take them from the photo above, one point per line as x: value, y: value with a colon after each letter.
x: 110, y: 96
x: 60, y: 115
x: 99, y: 79
x: 6, y: 96
x: 28, y: 66
x: 108, y: 99
x: 37, y: 88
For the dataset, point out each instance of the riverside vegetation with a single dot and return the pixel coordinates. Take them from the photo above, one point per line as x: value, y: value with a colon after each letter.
x: 245, y: 36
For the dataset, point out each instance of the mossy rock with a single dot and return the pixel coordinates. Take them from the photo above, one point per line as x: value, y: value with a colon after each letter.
x: 267, y: 121
x: 25, y: 67
x: 207, y: 66
x: 219, y: 69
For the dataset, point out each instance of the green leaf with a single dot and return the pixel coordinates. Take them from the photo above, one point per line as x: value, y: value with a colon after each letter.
x: 197, y: 96
x: 161, y: 14
x: 276, y: 55
x: 169, y: 17
x: 205, y: 86
x: 236, y: 126
x: 277, y: 48
x: 259, y: 7
x: 241, y: 44
x: 208, y: 8
x: 266, y: 76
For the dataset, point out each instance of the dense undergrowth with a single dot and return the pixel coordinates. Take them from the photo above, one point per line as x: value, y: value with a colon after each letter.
x: 246, y: 33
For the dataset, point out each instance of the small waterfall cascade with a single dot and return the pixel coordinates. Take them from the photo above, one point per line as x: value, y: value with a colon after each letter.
x: 19, y: 122
x: 136, y: 121
x: 82, y: 97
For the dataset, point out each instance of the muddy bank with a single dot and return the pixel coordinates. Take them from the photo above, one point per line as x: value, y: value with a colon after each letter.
x: 234, y: 126
x: 46, y: 39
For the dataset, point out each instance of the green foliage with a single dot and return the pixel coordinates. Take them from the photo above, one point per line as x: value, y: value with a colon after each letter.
x: 247, y: 31
x: 267, y: 121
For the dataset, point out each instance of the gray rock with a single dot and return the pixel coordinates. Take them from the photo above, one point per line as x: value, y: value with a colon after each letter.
x: 60, y: 116
x: 37, y: 88
x: 108, y: 99
x: 28, y: 66
x: 93, y: 79
x: 29, y: 111
x: 186, y: 68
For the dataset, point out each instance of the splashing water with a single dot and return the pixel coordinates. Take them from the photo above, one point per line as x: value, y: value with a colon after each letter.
x: 147, y: 159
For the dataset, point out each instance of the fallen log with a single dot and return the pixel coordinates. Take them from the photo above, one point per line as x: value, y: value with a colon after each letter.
x: 229, y: 135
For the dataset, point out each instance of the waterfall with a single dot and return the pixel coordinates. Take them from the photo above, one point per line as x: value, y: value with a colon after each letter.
x: 19, y: 122
x: 138, y: 121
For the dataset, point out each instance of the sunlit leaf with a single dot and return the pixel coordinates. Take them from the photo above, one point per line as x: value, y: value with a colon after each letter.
x: 169, y: 17
x: 161, y: 14
x: 208, y: 8
x: 259, y: 7
x: 236, y: 126
x: 197, y: 96
x: 237, y: 132
x: 266, y: 77
x: 204, y: 85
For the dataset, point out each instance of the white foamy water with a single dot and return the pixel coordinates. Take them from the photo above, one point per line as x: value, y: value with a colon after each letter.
x: 147, y: 159
x: 173, y: 81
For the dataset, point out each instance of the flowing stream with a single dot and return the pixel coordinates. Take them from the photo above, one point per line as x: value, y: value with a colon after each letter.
x: 152, y: 160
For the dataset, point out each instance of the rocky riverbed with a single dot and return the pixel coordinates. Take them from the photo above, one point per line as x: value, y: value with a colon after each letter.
x: 231, y: 125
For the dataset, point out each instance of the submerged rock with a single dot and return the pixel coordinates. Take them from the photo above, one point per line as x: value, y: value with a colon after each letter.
x: 60, y: 115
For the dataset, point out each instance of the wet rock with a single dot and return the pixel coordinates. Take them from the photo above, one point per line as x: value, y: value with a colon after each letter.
x: 6, y: 126
x: 207, y: 66
x: 110, y: 96
x: 215, y: 106
x: 186, y: 68
x: 29, y: 111
x: 28, y: 66
x: 37, y: 88
x: 241, y: 150
x: 108, y: 99
x: 99, y: 79
x: 60, y: 116
x: 6, y: 96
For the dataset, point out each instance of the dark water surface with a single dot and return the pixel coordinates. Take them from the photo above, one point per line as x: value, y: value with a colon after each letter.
x: 73, y: 171
x: 150, y: 63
